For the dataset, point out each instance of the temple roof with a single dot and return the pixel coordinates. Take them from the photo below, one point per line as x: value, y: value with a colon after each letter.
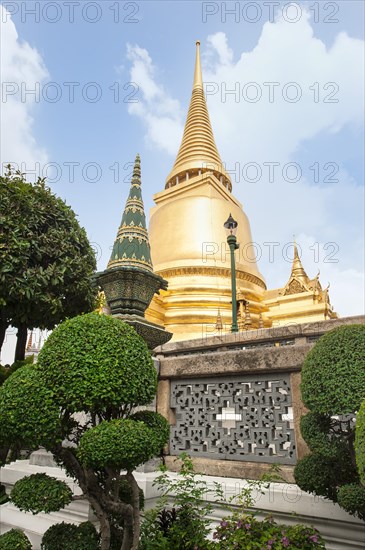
x: 131, y: 246
x: 198, y: 151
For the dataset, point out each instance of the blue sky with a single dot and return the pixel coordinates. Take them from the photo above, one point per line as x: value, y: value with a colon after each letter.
x: 144, y: 52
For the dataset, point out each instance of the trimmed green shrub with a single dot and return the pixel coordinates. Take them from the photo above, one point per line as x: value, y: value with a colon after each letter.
x: 67, y: 536
x: 29, y: 415
x: 97, y: 365
x: 322, y: 476
x: 351, y: 497
x: 14, y: 540
x: 333, y: 387
x: 156, y: 422
x: 360, y: 442
x: 120, y: 443
x: 95, y: 361
x: 333, y: 374
x: 40, y: 493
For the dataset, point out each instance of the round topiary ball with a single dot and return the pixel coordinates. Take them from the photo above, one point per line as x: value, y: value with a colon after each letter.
x: 333, y: 374
x: 95, y: 362
x: 29, y: 415
x: 360, y: 442
x: 40, y: 493
x: 121, y: 443
x: 14, y: 540
x: 67, y: 536
x: 351, y: 497
x: 156, y: 422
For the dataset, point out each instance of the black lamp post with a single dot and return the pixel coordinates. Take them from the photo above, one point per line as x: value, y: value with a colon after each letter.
x: 231, y: 229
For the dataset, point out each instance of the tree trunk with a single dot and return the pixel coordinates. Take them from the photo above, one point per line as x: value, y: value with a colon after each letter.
x: 3, y: 326
x: 21, y: 343
x: 135, y: 503
x: 4, y: 451
x: 104, y: 531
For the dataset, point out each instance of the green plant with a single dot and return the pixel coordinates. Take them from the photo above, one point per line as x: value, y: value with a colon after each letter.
x: 98, y: 365
x: 360, y: 442
x: 14, y: 540
x: 245, y: 531
x: 46, y: 261
x: 333, y: 387
x: 185, y: 525
x: 40, y: 493
x: 333, y: 374
x: 67, y: 536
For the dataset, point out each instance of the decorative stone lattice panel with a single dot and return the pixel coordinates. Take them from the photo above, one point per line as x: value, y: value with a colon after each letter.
x: 240, y: 418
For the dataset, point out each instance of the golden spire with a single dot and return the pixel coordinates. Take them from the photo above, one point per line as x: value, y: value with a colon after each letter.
x: 297, y: 270
x: 198, y: 152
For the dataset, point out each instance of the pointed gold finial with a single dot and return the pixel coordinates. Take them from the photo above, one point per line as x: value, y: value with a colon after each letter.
x: 198, y: 152
x: 297, y: 268
x: 198, y: 78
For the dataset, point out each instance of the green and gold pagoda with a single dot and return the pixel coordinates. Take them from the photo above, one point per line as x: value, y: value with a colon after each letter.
x: 129, y: 282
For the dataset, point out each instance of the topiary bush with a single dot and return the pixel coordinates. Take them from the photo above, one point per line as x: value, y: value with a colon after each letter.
x: 98, y: 366
x: 351, y: 497
x: 95, y: 361
x: 40, y: 493
x: 333, y: 374
x: 29, y: 415
x: 333, y: 387
x: 360, y: 442
x: 156, y: 422
x: 67, y: 536
x: 14, y: 540
x: 119, y: 443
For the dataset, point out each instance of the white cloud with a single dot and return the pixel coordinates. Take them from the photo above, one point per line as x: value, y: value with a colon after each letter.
x: 279, y: 131
x: 22, y: 68
x: 159, y: 111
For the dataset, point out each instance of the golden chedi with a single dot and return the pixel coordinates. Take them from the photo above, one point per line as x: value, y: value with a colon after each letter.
x: 188, y: 240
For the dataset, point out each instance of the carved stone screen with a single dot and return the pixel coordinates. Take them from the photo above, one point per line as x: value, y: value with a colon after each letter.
x: 240, y: 418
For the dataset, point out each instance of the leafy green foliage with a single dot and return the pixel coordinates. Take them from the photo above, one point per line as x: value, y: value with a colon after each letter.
x: 319, y: 431
x: 246, y: 531
x: 96, y: 362
x: 14, y: 540
x: 322, y: 476
x: 7, y: 370
x: 120, y: 443
x: 40, y: 493
x: 67, y: 536
x: 333, y: 387
x: 29, y: 415
x: 360, y: 442
x: 46, y: 261
x: 187, y: 526
x: 351, y: 497
x: 333, y: 374
x: 96, y: 365
x: 157, y: 423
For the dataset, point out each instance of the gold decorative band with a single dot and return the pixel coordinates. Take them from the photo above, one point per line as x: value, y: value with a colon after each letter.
x: 210, y: 271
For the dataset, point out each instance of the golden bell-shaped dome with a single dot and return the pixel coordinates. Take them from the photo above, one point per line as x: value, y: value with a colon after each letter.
x: 188, y: 241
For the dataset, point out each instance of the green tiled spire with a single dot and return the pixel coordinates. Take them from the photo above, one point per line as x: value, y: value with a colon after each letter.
x: 131, y: 247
